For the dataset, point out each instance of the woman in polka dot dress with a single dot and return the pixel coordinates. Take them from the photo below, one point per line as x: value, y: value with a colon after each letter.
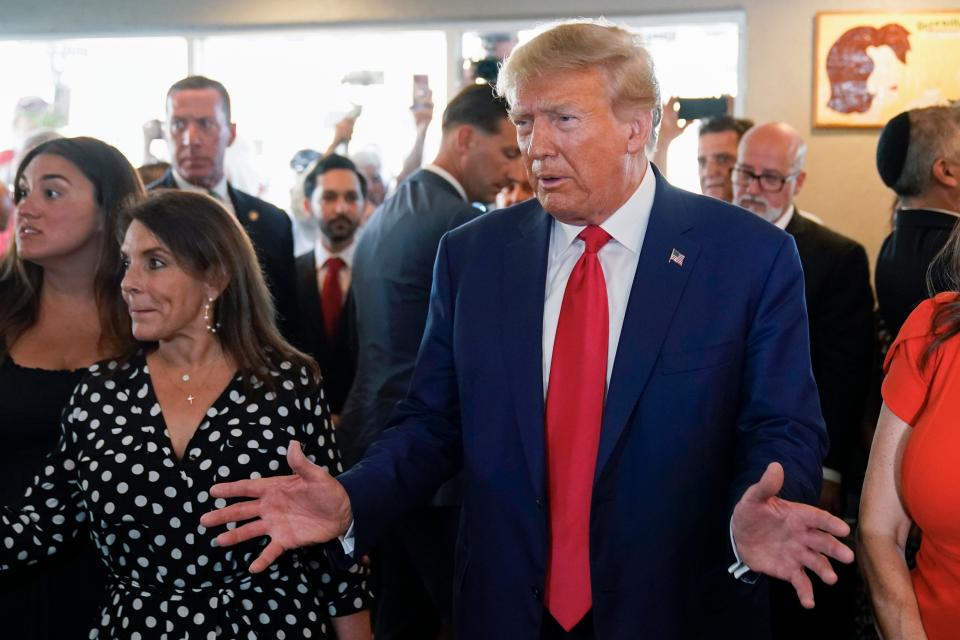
x: 214, y: 395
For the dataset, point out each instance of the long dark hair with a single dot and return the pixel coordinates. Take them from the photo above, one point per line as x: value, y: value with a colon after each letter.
x: 943, y: 274
x: 207, y: 240
x: 115, y: 186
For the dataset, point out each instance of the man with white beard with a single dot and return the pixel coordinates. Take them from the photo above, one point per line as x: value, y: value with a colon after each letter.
x: 766, y: 179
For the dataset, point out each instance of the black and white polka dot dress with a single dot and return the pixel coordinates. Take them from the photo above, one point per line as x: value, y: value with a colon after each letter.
x: 115, y: 475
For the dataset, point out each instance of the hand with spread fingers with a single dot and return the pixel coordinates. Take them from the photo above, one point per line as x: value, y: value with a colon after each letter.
x: 783, y: 539
x: 302, y: 509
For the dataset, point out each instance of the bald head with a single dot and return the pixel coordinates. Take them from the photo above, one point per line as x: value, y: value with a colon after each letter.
x: 769, y: 170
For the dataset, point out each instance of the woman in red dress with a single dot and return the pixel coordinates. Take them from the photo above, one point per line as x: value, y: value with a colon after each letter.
x: 913, y: 477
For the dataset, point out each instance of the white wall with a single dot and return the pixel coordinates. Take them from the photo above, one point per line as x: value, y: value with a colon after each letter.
x: 842, y: 186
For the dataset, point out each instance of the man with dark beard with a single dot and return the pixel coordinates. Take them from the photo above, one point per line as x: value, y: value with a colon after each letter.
x: 334, y: 192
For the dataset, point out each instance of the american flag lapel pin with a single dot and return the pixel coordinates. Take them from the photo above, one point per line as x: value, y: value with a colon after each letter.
x: 676, y: 257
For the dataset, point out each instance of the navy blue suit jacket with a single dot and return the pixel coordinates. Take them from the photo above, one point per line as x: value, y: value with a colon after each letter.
x: 711, y: 382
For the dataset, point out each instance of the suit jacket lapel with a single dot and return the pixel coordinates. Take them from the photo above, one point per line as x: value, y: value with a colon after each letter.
x: 657, y: 288
x: 798, y: 224
x: 436, y: 181
x: 312, y: 311
x: 524, y: 279
x: 165, y: 181
x: 240, y: 205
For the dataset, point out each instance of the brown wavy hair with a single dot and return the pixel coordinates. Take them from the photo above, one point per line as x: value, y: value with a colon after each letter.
x: 943, y: 274
x: 207, y: 240
x: 115, y: 186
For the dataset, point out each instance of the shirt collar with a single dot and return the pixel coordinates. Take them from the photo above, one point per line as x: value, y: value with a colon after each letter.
x: 627, y: 225
x: 220, y: 189
x: 785, y: 219
x: 446, y: 175
x: 321, y: 254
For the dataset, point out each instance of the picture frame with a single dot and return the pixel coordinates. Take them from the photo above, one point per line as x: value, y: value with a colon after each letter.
x: 870, y: 66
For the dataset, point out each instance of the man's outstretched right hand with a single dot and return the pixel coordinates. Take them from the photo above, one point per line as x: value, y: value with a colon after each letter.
x: 306, y: 508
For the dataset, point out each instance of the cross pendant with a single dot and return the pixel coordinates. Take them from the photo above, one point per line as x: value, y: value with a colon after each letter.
x: 190, y: 399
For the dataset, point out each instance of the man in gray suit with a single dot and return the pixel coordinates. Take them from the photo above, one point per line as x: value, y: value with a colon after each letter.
x: 392, y: 275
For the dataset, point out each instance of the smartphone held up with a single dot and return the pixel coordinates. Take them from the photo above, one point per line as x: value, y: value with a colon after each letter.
x: 700, y: 108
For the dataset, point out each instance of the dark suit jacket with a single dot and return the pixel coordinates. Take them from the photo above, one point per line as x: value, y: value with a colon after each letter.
x: 271, y: 232
x: 917, y: 236
x: 392, y: 273
x: 711, y: 382
x: 836, y: 276
x: 336, y: 360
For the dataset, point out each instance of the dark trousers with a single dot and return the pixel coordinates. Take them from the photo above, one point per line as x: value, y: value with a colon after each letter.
x: 551, y: 630
x: 413, y: 576
x: 831, y: 619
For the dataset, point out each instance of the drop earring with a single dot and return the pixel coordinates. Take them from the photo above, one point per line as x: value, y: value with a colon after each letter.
x: 211, y: 326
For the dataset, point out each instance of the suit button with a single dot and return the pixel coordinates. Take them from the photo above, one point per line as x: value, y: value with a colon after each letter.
x: 536, y: 592
x: 539, y: 502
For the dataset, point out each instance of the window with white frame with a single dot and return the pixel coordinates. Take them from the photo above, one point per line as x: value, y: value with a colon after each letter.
x: 290, y: 87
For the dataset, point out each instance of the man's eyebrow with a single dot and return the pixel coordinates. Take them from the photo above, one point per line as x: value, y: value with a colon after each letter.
x: 545, y: 108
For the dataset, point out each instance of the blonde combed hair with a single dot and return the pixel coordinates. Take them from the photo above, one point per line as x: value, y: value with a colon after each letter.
x: 584, y: 44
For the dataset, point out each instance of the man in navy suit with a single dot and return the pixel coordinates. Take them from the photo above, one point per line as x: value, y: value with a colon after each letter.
x: 621, y: 370
x: 199, y: 130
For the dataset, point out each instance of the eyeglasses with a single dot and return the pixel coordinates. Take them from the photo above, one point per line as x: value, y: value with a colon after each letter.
x: 770, y: 182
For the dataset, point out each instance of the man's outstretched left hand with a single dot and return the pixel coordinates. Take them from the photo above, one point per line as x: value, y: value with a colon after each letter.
x: 781, y: 539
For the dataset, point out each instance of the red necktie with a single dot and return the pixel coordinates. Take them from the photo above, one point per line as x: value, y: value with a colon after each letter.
x: 331, y: 297
x: 578, y: 380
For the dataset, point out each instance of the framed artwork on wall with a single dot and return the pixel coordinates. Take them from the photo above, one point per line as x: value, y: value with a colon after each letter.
x: 868, y: 67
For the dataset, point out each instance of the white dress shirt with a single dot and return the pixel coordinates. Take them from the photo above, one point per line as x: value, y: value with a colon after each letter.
x: 219, y: 192
x: 321, y: 254
x: 618, y: 259
x: 785, y: 219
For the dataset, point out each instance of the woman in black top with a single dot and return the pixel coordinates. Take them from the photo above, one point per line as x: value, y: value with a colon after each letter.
x: 60, y: 311
x: 215, y: 394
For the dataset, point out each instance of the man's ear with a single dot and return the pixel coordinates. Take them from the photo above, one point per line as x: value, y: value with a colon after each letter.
x: 641, y: 127
x: 946, y: 173
x: 798, y: 181
x: 233, y: 133
x: 464, y: 137
x: 308, y: 206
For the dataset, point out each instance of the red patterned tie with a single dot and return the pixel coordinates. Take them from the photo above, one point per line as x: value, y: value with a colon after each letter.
x: 578, y: 380
x: 331, y: 297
